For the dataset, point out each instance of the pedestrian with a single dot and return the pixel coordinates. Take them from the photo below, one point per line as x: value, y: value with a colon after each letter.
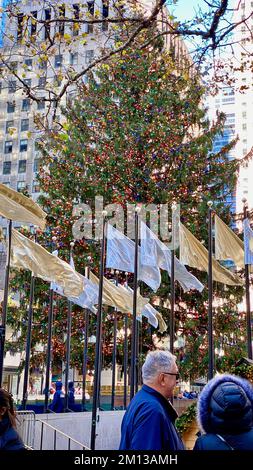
x: 225, y: 414
x: 71, y: 396
x: 57, y: 404
x: 9, y: 437
x: 149, y: 421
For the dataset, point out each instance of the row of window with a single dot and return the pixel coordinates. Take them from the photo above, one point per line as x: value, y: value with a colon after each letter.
x: 22, y: 164
x: 61, y: 24
x: 21, y: 185
x: 8, y: 146
x: 25, y: 105
x: 24, y: 125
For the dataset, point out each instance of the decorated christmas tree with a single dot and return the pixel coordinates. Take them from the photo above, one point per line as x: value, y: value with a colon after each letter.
x: 136, y: 132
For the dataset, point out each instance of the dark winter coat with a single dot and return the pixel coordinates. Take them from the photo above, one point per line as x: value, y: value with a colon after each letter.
x: 148, y: 423
x: 9, y: 438
x: 225, y: 407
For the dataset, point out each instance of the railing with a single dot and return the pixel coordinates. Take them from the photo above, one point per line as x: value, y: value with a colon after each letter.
x: 26, y: 427
x: 58, y: 438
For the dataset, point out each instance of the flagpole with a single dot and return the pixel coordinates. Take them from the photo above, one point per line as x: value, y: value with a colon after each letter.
x: 172, y: 276
x: 114, y: 352
x: 125, y: 353
x: 134, y: 320
x: 49, y: 344
x: 247, y: 288
x: 210, y: 294
x: 68, y: 343
x: 5, y: 303
x: 85, y: 347
x: 98, y: 338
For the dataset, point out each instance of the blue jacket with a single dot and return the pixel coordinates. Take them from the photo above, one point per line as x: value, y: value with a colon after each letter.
x: 57, y: 404
x: 225, y: 407
x: 148, y: 423
x: 9, y: 438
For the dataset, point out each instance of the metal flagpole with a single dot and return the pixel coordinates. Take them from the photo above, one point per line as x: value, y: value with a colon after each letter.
x: 98, y: 339
x: 85, y: 347
x: 49, y: 345
x: 247, y: 288
x: 68, y: 343
x: 210, y: 293
x: 125, y: 354
x: 134, y: 320
x: 5, y: 304
x: 172, y: 279
x: 114, y: 352
x: 28, y: 344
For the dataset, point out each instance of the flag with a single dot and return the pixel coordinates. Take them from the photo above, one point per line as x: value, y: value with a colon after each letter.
x: 88, y: 298
x: 119, y: 297
x: 120, y: 255
x: 16, y: 206
x: 156, y: 253
x: 26, y: 254
x: 194, y: 254
x: 248, y: 242
x: 227, y: 244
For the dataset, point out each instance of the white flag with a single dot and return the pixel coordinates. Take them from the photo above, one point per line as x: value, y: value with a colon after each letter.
x: 248, y: 242
x: 156, y: 253
x: 120, y: 255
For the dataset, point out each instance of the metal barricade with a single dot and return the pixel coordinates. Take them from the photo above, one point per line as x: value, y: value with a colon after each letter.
x: 26, y: 427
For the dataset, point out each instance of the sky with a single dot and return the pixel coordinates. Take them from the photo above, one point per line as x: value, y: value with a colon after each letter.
x: 184, y: 9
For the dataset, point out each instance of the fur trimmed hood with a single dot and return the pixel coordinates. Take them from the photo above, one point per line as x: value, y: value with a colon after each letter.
x: 225, y: 405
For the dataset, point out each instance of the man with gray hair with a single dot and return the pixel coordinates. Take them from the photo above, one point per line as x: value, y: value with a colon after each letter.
x: 149, y: 421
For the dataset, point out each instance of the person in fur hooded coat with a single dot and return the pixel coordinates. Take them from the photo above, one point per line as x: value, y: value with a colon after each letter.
x: 225, y: 414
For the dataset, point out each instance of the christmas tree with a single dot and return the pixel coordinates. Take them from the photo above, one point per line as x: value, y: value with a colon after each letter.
x: 136, y: 132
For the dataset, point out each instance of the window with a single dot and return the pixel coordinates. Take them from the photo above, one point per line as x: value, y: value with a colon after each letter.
x: 76, y: 9
x: 28, y: 81
x: 244, y: 151
x: 47, y: 26
x: 25, y: 104
x: 35, y: 187
x: 24, y: 125
x: 105, y: 14
x: 73, y: 58
x: 57, y: 80
x: 21, y: 185
x: 22, y: 166
x: 244, y: 127
x: 42, y: 64
x: 23, y: 145
x: 6, y: 183
x: 36, y: 165
x: 20, y: 27
x: 6, y: 168
x: 12, y: 86
x: 29, y: 63
x: 34, y: 23
x: 42, y: 82
x: 244, y: 114
x: 91, y: 10
x: 61, y: 23
x: 13, y: 66
x: 9, y: 124
x: 10, y: 106
x: 58, y: 61
x: 89, y: 56
x: 8, y: 146
x: 41, y: 105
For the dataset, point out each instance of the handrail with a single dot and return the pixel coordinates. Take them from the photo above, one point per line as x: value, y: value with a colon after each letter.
x: 59, y: 432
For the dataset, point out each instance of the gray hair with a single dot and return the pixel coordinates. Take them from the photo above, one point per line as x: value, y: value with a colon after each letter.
x: 156, y: 362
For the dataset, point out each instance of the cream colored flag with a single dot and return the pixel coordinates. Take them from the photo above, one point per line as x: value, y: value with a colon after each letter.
x: 119, y: 297
x: 227, y: 244
x: 16, y: 206
x: 194, y: 254
x: 26, y: 254
x: 122, y: 299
